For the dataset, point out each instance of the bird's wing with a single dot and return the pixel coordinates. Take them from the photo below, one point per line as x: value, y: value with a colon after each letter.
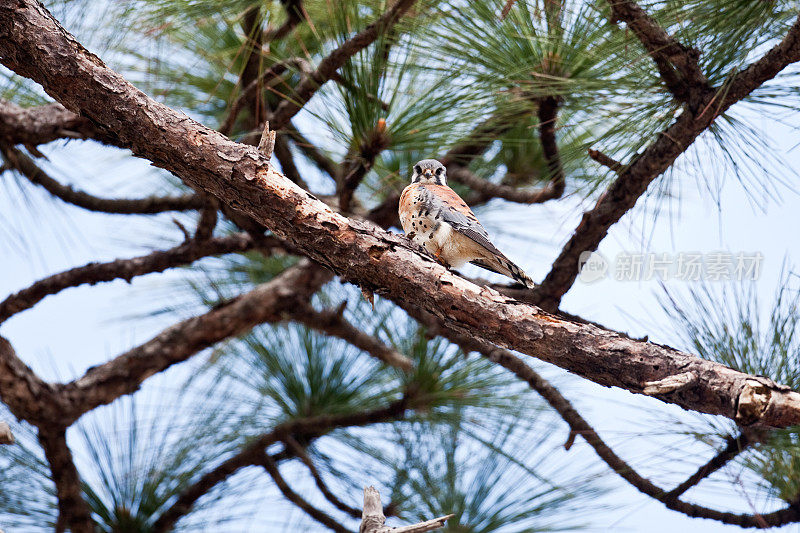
x: 443, y: 203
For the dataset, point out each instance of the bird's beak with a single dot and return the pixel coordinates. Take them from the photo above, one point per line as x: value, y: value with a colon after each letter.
x: 427, y: 173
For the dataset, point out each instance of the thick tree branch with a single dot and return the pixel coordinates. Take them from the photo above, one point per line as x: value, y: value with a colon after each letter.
x: 677, y: 65
x: 123, y: 206
x: 26, y: 395
x: 125, y: 373
x: 328, y: 66
x: 633, y: 180
x: 127, y: 269
x: 378, y: 261
x: 303, y: 428
x: 266, y: 461
x: 73, y: 512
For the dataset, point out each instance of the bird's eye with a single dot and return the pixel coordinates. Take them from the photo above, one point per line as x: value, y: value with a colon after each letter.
x: 418, y: 169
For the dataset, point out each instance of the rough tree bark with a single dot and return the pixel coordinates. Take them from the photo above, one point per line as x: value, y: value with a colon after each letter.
x: 34, y: 45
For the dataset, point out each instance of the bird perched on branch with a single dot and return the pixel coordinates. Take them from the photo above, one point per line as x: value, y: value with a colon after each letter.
x: 434, y: 216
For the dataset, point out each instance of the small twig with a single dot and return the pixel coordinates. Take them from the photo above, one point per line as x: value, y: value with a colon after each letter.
x: 372, y: 519
x: 604, y: 160
x: 267, y: 143
x: 186, y: 235
x: 6, y: 437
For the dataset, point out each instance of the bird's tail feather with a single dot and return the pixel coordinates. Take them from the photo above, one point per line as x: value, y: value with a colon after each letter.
x: 502, y: 265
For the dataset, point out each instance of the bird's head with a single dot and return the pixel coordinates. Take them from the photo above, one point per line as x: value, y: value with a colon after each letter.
x: 429, y: 171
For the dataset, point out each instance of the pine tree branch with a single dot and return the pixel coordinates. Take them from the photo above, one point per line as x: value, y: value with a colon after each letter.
x: 294, y: 16
x: 605, y: 160
x: 127, y: 269
x: 26, y: 395
x: 121, y: 206
x: 41, y: 124
x: 323, y: 518
x: 359, y: 165
x: 294, y: 447
x: 487, y: 190
x: 635, y: 178
x: 303, y: 428
x: 73, y: 512
x: 331, y: 322
x: 359, y: 252
x: 328, y: 66
x: 734, y: 446
x: 208, y: 219
x: 125, y: 373
x: 677, y: 65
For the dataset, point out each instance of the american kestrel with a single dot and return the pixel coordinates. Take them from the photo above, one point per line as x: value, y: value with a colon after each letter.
x: 434, y: 216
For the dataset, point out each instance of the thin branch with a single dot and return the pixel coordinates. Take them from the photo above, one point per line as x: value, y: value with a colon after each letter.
x: 73, y: 512
x: 294, y: 446
x: 331, y: 322
x: 294, y: 16
x: 127, y: 269
x: 208, y: 220
x: 328, y: 66
x: 145, y: 206
x: 124, y: 374
x: 303, y: 428
x: 487, y: 190
x: 677, y: 65
x: 249, y: 92
x: 734, y: 446
x: 323, y: 518
x: 360, y: 165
